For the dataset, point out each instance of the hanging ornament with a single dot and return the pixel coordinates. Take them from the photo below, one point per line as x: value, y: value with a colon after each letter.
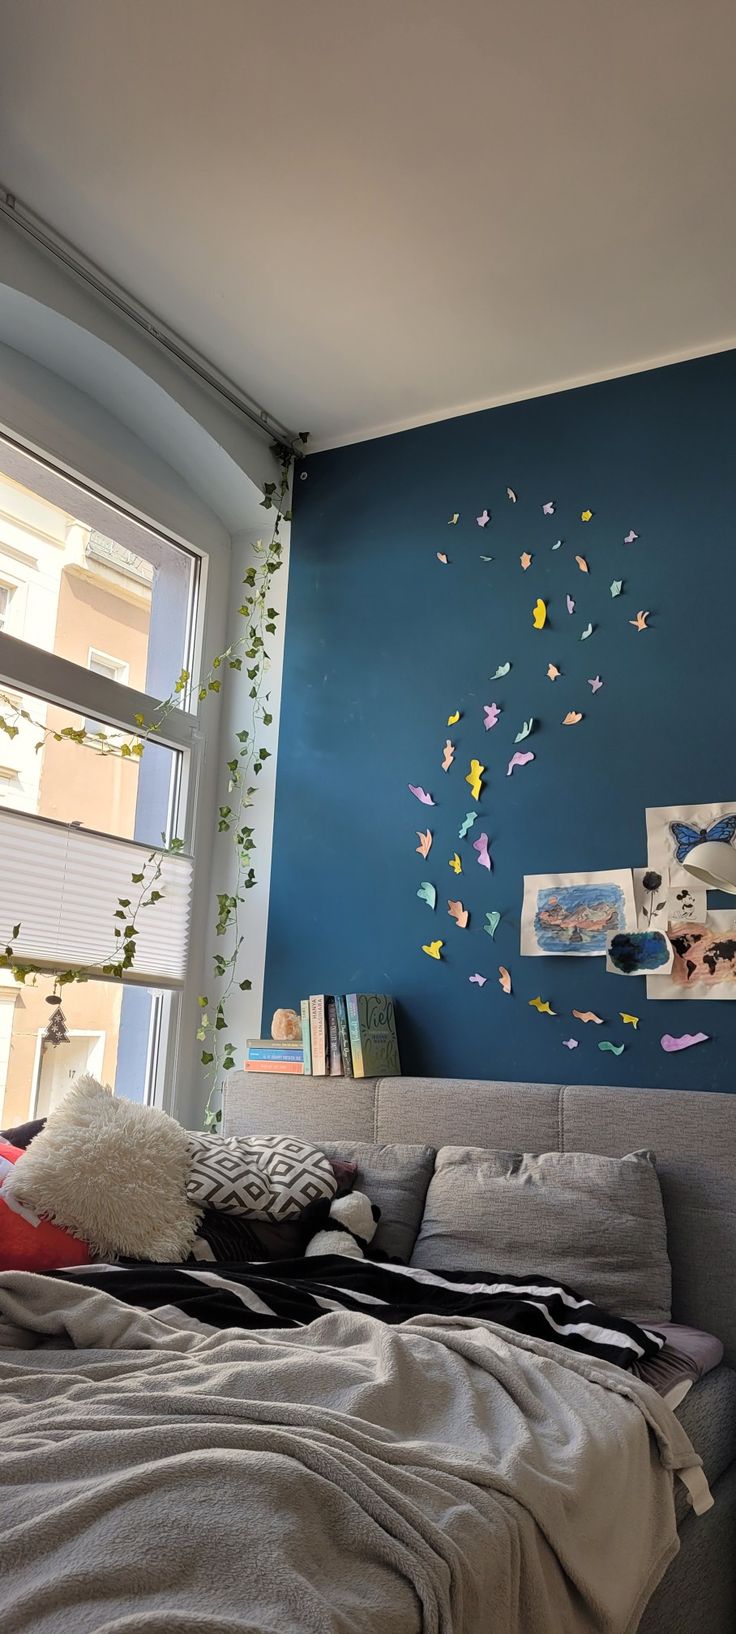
x: 57, y: 1031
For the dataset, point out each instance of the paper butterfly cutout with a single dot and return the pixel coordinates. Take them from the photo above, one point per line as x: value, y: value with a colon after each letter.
x: 525, y: 560
x: 481, y: 846
x: 425, y: 842
x: 455, y: 863
x: 420, y: 794
x: 448, y: 756
x: 511, y: 495
x: 427, y: 893
x: 539, y: 614
x: 503, y: 669
x: 595, y: 683
x: 684, y: 1042
x: 549, y: 508
x: 616, y: 1049
x: 570, y: 604
x: 640, y: 622
x: 452, y: 720
x: 467, y: 823
x: 582, y: 564
x: 458, y: 913
x: 434, y: 949
x: 493, y: 920
x: 553, y: 672
x: 572, y: 718
x: 519, y: 760
x: 586, y: 632
x: 686, y: 837
x: 543, y: 1006
x: 441, y: 557
x: 474, y: 778
x: 525, y: 730
x: 480, y: 981
x: 491, y: 713
x: 483, y: 519
x: 588, y: 1015
x: 630, y: 537
x: 570, y: 1043
x: 504, y: 978
x: 616, y: 587
x: 629, y: 1021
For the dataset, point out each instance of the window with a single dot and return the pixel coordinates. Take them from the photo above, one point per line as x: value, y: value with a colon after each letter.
x: 114, y: 669
x: 110, y: 619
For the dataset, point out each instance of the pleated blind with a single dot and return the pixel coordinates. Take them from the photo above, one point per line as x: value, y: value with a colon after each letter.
x: 62, y: 885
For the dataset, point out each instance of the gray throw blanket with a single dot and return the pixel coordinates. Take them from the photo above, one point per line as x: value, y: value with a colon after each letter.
x: 444, y: 1476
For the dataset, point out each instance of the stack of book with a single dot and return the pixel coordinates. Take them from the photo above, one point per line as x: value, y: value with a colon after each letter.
x: 350, y: 1035
x: 274, y: 1055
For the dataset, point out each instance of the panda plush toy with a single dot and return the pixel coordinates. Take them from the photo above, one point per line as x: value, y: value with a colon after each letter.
x: 349, y: 1227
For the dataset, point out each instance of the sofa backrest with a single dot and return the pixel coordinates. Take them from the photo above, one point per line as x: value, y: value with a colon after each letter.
x: 692, y: 1134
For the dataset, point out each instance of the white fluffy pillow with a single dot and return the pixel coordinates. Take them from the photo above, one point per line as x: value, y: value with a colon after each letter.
x: 113, y: 1173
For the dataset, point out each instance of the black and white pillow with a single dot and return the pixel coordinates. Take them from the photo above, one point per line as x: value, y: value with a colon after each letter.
x: 273, y: 1178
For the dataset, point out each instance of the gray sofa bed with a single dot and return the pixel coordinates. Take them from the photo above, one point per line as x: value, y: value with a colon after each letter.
x: 694, y: 1138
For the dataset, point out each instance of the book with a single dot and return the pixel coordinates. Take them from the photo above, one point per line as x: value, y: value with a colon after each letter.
x: 286, y: 1066
x: 344, y: 1031
x: 333, y: 1038
x: 373, y: 1042
x: 264, y: 1052
x: 306, y: 1036
x: 318, y: 1031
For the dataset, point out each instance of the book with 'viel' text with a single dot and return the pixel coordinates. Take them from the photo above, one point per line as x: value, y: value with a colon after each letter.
x: 373, y: 1041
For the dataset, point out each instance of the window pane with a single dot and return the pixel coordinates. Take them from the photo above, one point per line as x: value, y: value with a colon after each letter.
x: 111, y: 1034
x: 75, y: 783
x: 77, y: 592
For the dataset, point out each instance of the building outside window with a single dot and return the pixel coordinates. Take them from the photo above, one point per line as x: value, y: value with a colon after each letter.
x: 104, y: 620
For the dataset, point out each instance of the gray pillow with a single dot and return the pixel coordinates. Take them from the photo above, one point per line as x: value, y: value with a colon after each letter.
x: 394, y: 1177
x: 595, y: 1223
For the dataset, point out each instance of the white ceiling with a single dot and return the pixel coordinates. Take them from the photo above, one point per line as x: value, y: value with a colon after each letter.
x: 373, y: 213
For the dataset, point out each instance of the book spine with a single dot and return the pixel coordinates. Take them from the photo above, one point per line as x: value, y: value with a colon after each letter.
x: 319, y: 1038
x: 296, y: 1068
x: 306, y: 1036
x: 255, y: 1054
x: 356, y: 1042
x: 333, y: 1038
x: 344, y: 1031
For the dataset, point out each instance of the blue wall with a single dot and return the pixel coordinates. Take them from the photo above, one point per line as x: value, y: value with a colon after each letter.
x: 383, y: 643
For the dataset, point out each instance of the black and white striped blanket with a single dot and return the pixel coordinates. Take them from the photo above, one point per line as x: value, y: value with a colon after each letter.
x: 292, y: 1293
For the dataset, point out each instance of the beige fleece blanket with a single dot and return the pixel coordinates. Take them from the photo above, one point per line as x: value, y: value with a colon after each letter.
x: 446, y: 1477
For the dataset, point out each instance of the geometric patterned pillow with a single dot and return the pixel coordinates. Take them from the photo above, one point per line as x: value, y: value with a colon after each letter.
x: 272, y: 1177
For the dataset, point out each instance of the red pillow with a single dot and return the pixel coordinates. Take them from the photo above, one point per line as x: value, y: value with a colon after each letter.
x: 28, y: 1243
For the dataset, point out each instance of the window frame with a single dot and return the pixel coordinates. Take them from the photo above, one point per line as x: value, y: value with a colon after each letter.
x: 37, y: 673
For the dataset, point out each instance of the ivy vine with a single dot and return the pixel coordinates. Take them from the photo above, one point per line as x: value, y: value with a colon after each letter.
x: 245, y: 764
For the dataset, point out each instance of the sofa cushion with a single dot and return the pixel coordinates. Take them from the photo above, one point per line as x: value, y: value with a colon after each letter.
x: 708, y: 1416
x: 394, y: 1177
x: 594, y: 1223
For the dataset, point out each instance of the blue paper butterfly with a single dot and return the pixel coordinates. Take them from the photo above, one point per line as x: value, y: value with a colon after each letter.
x: 685, y: 837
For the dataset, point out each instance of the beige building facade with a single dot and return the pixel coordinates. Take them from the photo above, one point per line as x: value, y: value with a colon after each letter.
x: 68, y: 590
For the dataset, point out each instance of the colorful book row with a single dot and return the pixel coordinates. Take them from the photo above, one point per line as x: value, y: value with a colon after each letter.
x: 351, y: 1035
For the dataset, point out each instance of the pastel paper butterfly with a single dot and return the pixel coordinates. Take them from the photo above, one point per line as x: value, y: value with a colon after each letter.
x: 481, y: 846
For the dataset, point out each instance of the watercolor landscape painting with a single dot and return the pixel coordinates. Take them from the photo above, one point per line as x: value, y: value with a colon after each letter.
x: 574, y: 914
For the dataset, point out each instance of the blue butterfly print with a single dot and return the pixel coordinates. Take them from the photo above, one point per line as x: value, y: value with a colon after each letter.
x: 685, y: 837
